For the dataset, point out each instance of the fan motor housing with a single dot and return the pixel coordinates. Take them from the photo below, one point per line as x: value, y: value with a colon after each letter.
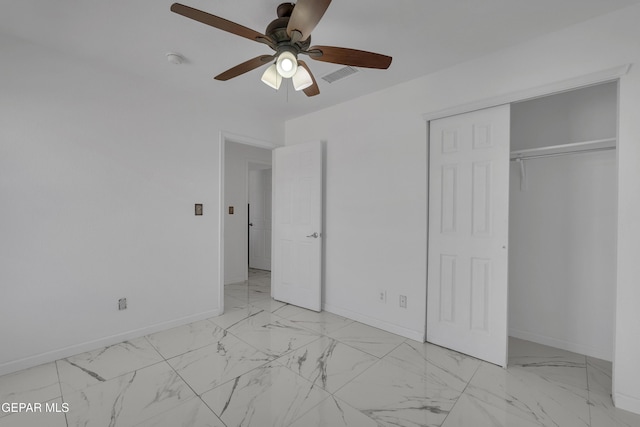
x: 277, y: 29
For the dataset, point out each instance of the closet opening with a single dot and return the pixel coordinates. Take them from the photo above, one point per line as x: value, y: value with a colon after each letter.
x: 563, y: 221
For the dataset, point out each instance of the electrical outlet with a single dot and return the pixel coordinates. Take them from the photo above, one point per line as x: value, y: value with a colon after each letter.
x: 382, y: 296
x: 122, y: 304
x: 403, y: 301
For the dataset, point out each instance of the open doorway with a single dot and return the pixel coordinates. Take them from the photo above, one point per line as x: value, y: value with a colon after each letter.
x: 562, y: 220
x: 236, y: 153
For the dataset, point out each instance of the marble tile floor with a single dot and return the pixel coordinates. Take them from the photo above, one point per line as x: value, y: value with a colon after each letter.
x: 264, y: 363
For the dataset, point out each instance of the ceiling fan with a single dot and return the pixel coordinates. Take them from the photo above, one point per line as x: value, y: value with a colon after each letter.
x: 289, y: 36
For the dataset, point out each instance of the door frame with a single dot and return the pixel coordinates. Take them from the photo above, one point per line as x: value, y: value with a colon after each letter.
x: 249, y: 162
x: 604, y: 76
x: 225, y: 137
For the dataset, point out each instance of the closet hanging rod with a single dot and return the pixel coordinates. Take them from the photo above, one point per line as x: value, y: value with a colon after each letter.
x: 539, y: 156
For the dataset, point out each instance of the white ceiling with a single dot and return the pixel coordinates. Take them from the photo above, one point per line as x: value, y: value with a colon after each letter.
x: 423, y: 36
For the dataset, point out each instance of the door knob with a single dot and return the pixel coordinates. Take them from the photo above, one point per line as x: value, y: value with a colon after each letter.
x: 314, y: 235
x: 250, y: 224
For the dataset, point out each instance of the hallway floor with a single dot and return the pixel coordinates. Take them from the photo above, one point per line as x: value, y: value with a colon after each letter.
x: 264, y: 363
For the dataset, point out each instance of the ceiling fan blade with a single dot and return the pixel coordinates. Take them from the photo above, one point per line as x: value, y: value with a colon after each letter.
x: 244, y: 67
x: 352, y: 57
x: 305, y: 16
x: 217, y: 22
x: 312, y: 90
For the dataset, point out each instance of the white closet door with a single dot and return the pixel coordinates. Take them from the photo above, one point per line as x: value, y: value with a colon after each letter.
x: 468, y: 233
x: 297, y: 222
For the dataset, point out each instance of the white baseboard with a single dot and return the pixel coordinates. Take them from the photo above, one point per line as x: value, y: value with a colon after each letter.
x: 597, y: 352
x: 377, y: 323
x: 628, y: 403
x: 61, y: 353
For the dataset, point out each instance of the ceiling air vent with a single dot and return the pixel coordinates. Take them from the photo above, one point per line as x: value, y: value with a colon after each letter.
x: 340, y: 74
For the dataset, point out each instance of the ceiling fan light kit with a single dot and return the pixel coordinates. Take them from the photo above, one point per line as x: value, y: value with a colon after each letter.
x: 287, y: 64
x: 301, y: 79
x: 271, y: 77
x: 289, y: 36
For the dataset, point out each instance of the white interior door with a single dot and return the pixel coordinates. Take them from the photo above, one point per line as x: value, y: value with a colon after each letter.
x: 297, y: 221
x: 468, y: 233
x: 260, y: 219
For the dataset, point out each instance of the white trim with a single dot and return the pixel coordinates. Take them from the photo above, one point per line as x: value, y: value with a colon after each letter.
x: 603, y: 353
x: 377, y: 323
x: 536, y: 92
x: 626, y: 402
x: 246, y: 140
x: 221, y: 213
x: 223, y: 139
x: 50, y: 356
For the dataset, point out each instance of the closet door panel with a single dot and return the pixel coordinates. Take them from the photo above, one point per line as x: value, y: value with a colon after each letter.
x: 468, y: 233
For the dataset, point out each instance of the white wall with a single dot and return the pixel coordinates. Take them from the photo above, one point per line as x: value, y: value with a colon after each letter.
x: 587, y: 114
x: 99, y: 173
x: 562, y: 234
x: 375, y: 212
x: 376, y: 176
x: 236, y: 172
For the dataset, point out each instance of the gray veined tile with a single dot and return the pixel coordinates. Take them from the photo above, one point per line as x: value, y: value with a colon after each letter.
x: 231, y: 303
x: 235, y: 315
x: 327, y: 363
x: 176, y: 341
x: 333, y: 412
x: 323, y: 322
x: 599, y: 373
x: 213, y: 365
x: 269, y: 305
x: 93, y: 367
x: 290, y: 310
x: 528, y: 396
x: 263, y: 281
x: 38, y: 384
x: 367, y: 338
x: 52, y: 416
x: 438, y: 364
x: 272, y: 334
x: 469, y: 411
x: 393, y: 396
x: 464, y: 366
x: 192, y: 413
x: 129, y: 399
x: 604, y: 414
x: 559, y: 366
x: 246, y: 292
x: 255, y: 273
x: 259, y: 292
x: 523, y: 348
x: 269, y: 396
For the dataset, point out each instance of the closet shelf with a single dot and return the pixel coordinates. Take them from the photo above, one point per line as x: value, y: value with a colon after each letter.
x: 558, y: 150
